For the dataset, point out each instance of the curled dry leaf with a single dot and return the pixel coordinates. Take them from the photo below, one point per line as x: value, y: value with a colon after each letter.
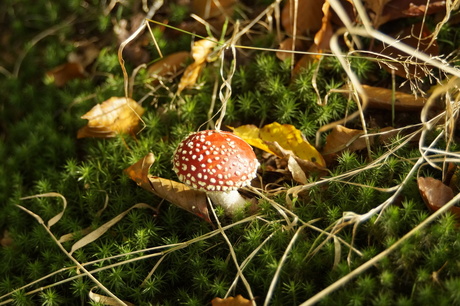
x: 200, y: 52
x: 309, y: 16
x: 238, y: 300
x: 193, y: 201
x: 66, y: 72
x: 436, y: 194
x: 287, y: 45
x: 114, y: 116
x: 6, y: 239
x: 212, y: 8
x: 321, y: 39
x: 168, y: 66
x: 383, y: 11
x: 76, y: 64
x: 342, y: 138
x: 105, y: 300
x: 382, y: 98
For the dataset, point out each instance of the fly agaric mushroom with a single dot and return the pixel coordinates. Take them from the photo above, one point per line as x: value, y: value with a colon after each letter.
x: 218, y: 163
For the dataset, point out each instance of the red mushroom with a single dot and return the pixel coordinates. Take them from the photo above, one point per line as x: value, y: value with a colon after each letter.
x: 218, y: 163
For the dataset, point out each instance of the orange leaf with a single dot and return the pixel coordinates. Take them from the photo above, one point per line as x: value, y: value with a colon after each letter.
x: 212, y: 8
x: 114, y: 116
x: 308, y: 16
x: 200, y: 52
x: 382, y: 98
x: 66, y: 72
x: 342, y: 138
x: 191, y: 200
x: 168, y: 65
x: 436, y: 194
x: 239, y: 300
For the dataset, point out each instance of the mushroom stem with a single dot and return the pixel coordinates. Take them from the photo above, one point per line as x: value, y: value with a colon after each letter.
x: 229, y: 200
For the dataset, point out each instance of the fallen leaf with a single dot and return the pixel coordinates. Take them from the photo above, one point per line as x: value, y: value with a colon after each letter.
x: 286, y: 135
x: 382, y: 98
x: 287, y: 45
x: 212, y: 8
x: 66, y: 72
x: 342, y: 138
x: 290, y: 138
x: 383, y: 11
x: 251, y: 134
x: 114, y: 116
x: 77, y: 62
x: 239, y: 300
x: 200, y: 52
x: 105, y: 300
x: 321, y: 40
x: 169, y: 65
x: 191, y: 200
x: 309, y: 15
x: 295, y: 163
x: 323, y: 36
x: 298, y: 174
x: 436, y: 194
x: 6, y: 239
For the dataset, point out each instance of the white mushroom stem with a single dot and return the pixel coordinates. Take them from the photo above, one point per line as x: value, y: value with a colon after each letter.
x: 229, y: 200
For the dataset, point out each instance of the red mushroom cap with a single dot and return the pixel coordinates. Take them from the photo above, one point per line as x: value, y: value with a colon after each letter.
x: 215, y: 161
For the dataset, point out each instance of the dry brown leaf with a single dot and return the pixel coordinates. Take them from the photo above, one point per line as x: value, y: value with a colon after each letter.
x: 200, y: 52
x: 6, y: 239
x: 309, y: 16
x: 212, y: 8
x: 76, y: 64
x: 381, y: 98
x: 382, y: 11
x: 436, y: 194
x: 114, y: 116
x: 323, y: 36
x: 342, y: 138
x: 169, y: 65
x: 306, y: 166
x: 66, y: 72
x: 321, y: 39
x: 412, y: 67
x: 105, y: 300
x: 287, y: 45
x: 193, y: 201
x: 239, y: 300
x: 298, y: 174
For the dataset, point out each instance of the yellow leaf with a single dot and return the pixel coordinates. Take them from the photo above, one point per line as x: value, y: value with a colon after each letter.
x: 250, y: 134
x: 286, y: 135
x: 114, y: 116
x: 200, y: 52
